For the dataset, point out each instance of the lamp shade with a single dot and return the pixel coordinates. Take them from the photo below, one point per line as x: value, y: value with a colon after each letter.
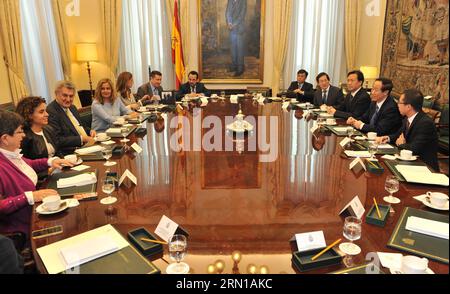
x: 87, y: 52
x: 370, y: 72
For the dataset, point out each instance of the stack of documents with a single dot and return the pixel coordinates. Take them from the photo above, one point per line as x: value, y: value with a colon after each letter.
x: 88, y: 150
x: 88, y: 250
x: 77, y: 181
x: 427, y: 227
x: 421, y: 175
x: 114, y: 131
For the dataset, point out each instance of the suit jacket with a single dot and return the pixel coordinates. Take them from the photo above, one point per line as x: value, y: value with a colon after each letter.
x: 10, y: 261
x: 66, y: 136
x: 334, y: 96
x: 307, y: 88
x: 235, y: 14
x: 388, y: 120
x: 421, y: 139
x: 15, y: 211
x: 186, y: 89
x: 146, y: 89
x: 34, y: 147
x: 354, y: 106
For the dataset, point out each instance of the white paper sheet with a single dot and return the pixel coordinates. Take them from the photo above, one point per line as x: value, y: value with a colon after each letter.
x: 77, y: 181
x: 422, y: 175
x: 52, y: 259
x: 88, y: 150
x: 427, y: 227
x: 363, y: 154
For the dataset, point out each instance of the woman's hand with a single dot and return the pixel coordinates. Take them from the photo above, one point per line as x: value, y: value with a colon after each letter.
x: 41, y: 194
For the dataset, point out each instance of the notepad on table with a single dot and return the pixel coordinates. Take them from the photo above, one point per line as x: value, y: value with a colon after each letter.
x: 114, y: 131
x: 88, y: 250
x: 364, y: 154
x: 77, y: 181
x: 421, y: 175
x: 88, y: 150
x: 427, y: 227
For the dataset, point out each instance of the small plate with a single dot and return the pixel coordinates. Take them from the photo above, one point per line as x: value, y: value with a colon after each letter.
x: 171, y: 268
x: 106, y: 139
x: 399, y: 271
x: 413, y: 158
x: 79, y: 161
x: 427, y: 202
x: 41, y: 210
x: 350, y: 248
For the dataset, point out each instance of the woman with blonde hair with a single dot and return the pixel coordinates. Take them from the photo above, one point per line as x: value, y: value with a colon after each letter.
x: 106, y: 107
x: 123, y: 86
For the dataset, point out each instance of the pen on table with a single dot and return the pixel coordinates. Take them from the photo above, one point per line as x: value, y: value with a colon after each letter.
x: 326, y: 249
x: 376, y: 206
x: 369, y: 161
x: 153, y: 241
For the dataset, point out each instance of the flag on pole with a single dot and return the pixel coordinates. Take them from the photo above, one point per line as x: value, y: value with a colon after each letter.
x: 177, y: 48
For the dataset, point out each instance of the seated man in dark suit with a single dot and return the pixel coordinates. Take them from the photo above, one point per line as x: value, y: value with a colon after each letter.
x: 10, y: 261
x: 418, y: 132
x: 327, y: 94
x: 193, y: 88
x: 382, y: 117
x: 64, y: 119
x: 357, y: 101
x: 151, y: 92
x: 300, y: 89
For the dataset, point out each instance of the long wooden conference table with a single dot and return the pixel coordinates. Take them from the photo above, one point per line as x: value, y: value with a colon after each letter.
x: 230, y: 201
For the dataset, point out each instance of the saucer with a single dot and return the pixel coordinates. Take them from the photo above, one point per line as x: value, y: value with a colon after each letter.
x: 427, y: 202
x: 350, y: 248
x: 79, y: 161
x: 105, y: 139
x: 41, y: 210
x: 428, y: 271
x: 171, y: 268
x: 413, y: 158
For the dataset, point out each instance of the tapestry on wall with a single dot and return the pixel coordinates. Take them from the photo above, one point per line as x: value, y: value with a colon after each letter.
x: 415, y: 47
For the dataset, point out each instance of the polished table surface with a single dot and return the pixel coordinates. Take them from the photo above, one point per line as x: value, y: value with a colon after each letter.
x: 229, y: 200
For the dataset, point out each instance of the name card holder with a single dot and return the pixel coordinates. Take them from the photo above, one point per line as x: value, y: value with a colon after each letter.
x: 353, y: 208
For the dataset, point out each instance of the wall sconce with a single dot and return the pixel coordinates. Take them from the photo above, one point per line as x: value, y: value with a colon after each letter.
x: 87, y: 52
x: 370, y: 74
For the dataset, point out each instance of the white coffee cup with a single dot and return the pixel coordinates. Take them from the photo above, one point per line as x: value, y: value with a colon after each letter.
x: 331, y: 121
x: 293, y: 100
x: 142, y: 109
x: 406, y: 154
x: 371, y: 136
x: 414, y: 265
x: 51, y: 203
x: 101, y: 136
x: 438, y: 199
x: 72, y: 158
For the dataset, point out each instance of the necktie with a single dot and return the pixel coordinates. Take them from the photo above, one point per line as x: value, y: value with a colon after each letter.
x: 193, y: 89
x: 374, y: 116
x: 75, y: 123
x: 408, y: 125
x: 324, y: 96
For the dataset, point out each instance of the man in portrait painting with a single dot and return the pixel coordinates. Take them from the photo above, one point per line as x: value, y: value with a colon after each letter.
x: 235, y: 16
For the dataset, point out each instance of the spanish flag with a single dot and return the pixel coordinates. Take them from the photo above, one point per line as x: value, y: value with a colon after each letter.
x: 177, y: 47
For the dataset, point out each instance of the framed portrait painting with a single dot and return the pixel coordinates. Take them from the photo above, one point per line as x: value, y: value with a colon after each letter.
x: 232, y: 41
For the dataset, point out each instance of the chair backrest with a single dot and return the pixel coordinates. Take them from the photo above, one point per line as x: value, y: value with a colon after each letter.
x: 265, y: 91
x: 86, y: 115
x: 85, y: 97
x: 443, y: 131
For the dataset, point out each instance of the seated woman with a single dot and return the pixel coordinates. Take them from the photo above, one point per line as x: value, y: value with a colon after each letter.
x: 124, y: 85
x: 106, y: 108
x: 39, y: 141
x: 18, y: 177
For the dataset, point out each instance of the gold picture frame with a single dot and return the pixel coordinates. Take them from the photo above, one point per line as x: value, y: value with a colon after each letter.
x: 215, y: 53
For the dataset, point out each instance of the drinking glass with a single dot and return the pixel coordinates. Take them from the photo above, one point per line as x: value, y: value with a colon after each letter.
x: 391, y: 186
x: 283, y: 97
x: 222, y: 94
x: 373, y: 149
x: 177, y: 251
x: 107, y: 154
x: 321, y: 121
x: 124, y: 131
x: 351, y: 232
x: 108, y: 187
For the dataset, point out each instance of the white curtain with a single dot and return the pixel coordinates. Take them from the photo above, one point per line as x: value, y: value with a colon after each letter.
x: 146, y: 41
x: 42, y: 58
x: 317, y: 40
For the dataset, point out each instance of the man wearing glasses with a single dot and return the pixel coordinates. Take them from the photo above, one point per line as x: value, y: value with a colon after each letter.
x: 418, y: 132
x: 70, y: 132
x: 383, y: 116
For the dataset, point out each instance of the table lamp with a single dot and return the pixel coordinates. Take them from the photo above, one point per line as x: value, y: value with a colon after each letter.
x: 87, y: 52
x: 370, y: 73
